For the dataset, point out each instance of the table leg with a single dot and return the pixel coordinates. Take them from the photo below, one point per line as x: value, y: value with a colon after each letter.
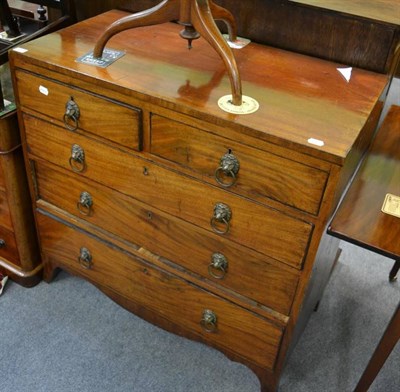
x: 382, y: 351
x: 394, y: 271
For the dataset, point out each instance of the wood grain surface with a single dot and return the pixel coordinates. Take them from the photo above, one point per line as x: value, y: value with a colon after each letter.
x: 175, y: 299
x: 251, y: 223
x: 300, y: 97
x: 387, y: 11
x: 359, y: 218
x: 249, y: 273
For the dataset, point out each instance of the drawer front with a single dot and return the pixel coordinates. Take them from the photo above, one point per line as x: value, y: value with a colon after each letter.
x: 108, y: 119
x: 222, y: 261
x: 5, y: 218
x: 275, y: 234
x: 257, y: 174
x: 247, y: 334
x: 8, y: 246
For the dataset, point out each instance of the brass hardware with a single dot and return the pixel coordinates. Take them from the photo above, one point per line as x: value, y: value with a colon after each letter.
x: 209, y: 321
x: 2, y: 243
x: 228, y: 167
x: 85, y: 204
x: 72, y: 114
x: 145, y: 171
x: 77, y: 159
x: 85, y: 258
x: 222, y: 214
x: 218, y: 266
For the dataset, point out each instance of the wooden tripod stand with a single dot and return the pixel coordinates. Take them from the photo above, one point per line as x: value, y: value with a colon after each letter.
x: 197, y: 17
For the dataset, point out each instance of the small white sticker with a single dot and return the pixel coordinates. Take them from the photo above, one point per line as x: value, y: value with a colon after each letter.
x: 316, y: 142
x: 346, y: 73
x: 43, y: 90
x: 20, y: 50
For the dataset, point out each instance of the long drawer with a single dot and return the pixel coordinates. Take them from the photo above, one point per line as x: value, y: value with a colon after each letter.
x: 252, y: 336
x: 8, y: 246
x: 220, y: 260
x: 269, y: 231
x: 111, y: 120
x: 245, y: 170
x: 5, y: 218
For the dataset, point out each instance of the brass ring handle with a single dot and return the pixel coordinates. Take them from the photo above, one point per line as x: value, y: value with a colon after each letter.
x: 209, y: 321
x: 229, y: 166
x: 222, y: 214
x: 72, y: 114
x: 77, y: 159
x: 218, y: 266
x: 2, y: 243
x: 85, y: 204
x: 85, y: 258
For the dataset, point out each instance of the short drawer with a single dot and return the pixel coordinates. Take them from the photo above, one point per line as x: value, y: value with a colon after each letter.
x: 8, y: 246
x: 245, y: 170
x: 266, y: 230
x: 5, y: 218
x: 108, y: 119
x: 222, y: 261
x: 235, y: 329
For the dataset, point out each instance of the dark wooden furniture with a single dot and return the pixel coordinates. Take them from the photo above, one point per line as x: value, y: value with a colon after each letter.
x: 20, y: 25
x: 19, y: 253
x: 361, y: 33
x: 360, y: 220
x: 134, y: 192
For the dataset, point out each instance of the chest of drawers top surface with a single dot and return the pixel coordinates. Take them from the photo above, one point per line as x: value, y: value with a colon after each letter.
x: 301, y: 98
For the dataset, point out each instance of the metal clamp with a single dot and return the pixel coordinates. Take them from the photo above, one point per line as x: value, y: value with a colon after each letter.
x: 209, y: 321
x: 72, y: 114
x: 85, y: 258
x: 77, y: 159
x: 85, y: 204
x: 218, y: 266
x: 228, y: 167
x: 222, y: 214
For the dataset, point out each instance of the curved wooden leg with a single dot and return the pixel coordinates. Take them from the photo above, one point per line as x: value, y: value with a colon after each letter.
x: 203, y: 22
x: 163, y: 12
x: 220, y: 13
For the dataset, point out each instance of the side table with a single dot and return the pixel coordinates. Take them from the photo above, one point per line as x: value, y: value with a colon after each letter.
x: 369, y: 216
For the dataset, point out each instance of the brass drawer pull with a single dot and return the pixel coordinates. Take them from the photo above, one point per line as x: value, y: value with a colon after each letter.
x: 228, y: 167
x: 85, y: 258
x: 77, y: 159
x: 2, y: 243
x: 85, y: 204
x: 72, y: 114
x: 218, y: 266
x: 222, y: 214
x: 209, y: 321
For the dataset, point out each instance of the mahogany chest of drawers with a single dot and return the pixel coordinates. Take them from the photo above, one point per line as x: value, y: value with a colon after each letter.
x: 135, y: 195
